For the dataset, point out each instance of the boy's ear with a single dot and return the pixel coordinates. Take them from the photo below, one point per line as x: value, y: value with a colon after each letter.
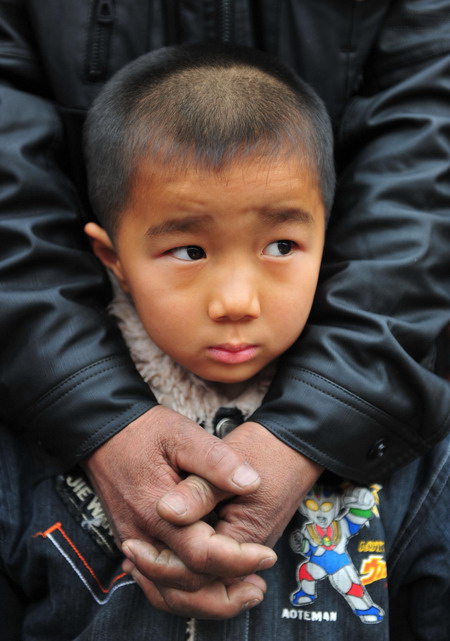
x: 103, y: 248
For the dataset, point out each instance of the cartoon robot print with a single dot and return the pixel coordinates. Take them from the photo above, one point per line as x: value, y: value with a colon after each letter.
x: 334, y: 515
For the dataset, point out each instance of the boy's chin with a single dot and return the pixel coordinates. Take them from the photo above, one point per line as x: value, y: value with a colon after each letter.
x: 238, y: 376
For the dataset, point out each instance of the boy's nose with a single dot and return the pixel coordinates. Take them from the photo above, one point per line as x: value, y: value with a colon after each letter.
x: 234, y: 300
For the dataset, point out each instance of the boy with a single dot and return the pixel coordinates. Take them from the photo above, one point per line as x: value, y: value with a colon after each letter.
x: 211, y: 173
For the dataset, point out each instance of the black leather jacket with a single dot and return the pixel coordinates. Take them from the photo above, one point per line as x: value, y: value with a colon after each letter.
x: 357, y: 393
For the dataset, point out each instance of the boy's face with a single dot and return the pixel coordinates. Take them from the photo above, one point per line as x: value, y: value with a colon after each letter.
x: 222, y: 266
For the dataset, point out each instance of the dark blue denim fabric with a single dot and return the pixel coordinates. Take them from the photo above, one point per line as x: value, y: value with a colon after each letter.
x: 59, y: 581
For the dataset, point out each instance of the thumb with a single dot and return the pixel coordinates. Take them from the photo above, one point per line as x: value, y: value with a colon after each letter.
x: 218, y: 472
x: 195, y: 497
x: 209, y: 458
x: 192, y: 499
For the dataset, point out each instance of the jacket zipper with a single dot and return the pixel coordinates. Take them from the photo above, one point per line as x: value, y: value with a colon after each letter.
x: 191, y: 630
x: 103, y: 20
x: 226, y: 11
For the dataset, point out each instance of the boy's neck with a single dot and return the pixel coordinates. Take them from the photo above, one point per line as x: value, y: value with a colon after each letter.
x: 230, y: 390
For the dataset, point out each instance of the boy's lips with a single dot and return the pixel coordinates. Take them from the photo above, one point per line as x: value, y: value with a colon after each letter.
x: 233, y: 354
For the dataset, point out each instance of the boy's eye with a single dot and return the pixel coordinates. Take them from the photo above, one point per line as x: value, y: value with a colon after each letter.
x: 279, y: 248
x: 190, y: 252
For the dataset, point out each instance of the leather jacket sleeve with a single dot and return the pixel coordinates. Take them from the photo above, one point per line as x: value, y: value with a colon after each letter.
x: 65, y: 376
x: 358, y: 392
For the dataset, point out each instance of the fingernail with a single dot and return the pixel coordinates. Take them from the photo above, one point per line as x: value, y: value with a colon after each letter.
x: 251, y: 604
x: 267, y: 563
x: 128, y: 552
x: 175, y: 502
x: 245, y: 475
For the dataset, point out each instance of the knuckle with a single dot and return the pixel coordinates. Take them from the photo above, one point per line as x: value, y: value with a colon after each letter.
x: 249, y: 525
x: 180, y: 602
x: 216, y: 452
x: 173, y: 600
x: 252, y: 531
x: 202, y: 559
x: 189, y: 584
x: 199, y: 560
x: 200, y: 490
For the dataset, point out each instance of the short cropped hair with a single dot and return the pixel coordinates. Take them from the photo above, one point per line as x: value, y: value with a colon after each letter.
x: 205, y: 105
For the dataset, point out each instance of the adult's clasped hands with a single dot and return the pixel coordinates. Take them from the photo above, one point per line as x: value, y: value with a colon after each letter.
x: 160, y: 476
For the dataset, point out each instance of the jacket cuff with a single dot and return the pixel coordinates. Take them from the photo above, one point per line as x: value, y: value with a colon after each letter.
x: 318, y: 418
x: 111, y: 395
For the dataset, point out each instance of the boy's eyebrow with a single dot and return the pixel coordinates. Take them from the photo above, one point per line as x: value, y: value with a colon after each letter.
x: 294, y: 214
x: 197, y: 223
x: 173, y: 225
